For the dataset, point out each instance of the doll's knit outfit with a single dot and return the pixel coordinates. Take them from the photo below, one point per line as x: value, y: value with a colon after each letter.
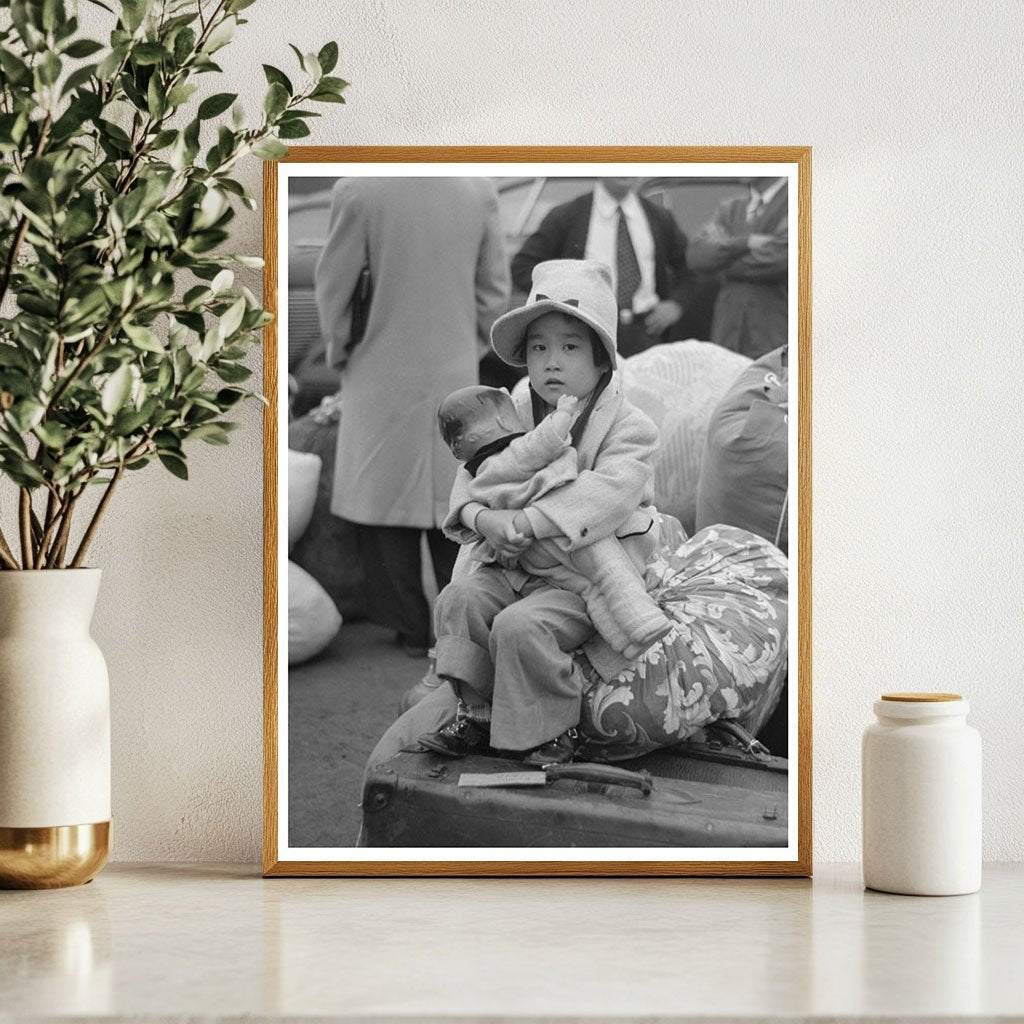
x: 525, y: 468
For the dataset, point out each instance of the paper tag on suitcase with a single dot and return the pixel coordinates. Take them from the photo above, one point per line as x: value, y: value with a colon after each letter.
x: 502, y: 779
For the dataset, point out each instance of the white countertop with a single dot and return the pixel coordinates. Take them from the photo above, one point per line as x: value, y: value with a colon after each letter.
x: 178, y: 941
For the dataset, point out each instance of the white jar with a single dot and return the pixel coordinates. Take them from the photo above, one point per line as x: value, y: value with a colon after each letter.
x: 921, y: 778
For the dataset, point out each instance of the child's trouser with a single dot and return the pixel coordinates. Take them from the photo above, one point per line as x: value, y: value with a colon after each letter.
x: 512, y: 647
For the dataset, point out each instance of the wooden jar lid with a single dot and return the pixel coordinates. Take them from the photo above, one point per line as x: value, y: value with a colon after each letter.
x: 921, y: 698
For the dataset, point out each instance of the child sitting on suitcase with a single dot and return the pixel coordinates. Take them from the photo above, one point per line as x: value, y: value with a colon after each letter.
x: 505, y: 636
x: 512, y: 468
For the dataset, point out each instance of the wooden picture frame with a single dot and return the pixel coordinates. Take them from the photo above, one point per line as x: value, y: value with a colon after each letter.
x: 676, y: 164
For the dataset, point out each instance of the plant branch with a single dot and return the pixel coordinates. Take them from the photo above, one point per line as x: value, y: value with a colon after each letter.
x: 25, y: 522
x: 37, y: 527
x: 56, y: 555
x: 51, y: 525
x: 94, y: 523
x: 6, y: 554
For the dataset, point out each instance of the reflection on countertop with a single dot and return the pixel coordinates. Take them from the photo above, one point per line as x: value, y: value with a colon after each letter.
x: 180, y: 940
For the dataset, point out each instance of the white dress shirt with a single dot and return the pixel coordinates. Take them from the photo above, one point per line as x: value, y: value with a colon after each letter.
x: 602, y: 237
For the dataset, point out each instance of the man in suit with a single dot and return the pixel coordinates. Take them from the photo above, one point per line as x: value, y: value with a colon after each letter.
x: 747, y: 242
x: 638, y: 240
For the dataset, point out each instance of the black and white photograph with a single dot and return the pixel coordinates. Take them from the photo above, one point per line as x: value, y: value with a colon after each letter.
x: 537, y: 486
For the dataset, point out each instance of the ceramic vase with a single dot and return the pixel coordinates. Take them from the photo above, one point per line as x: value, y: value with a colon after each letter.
x: 921, y: 777
x: 54, y: 731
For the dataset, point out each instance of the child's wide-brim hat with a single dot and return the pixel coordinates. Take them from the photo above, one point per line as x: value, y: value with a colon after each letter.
x: 578, y: 288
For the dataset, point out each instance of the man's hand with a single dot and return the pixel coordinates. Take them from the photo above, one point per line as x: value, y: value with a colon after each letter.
x: 663, y: 316
x: 758, y: 243
x: 497, y: 526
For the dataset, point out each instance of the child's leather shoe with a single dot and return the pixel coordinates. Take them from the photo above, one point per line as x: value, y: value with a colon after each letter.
x: 560, y: 750
x: 458, y: 738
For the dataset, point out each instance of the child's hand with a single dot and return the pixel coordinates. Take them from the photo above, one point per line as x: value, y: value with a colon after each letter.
x: 568, y: 403
x: 498, y: 527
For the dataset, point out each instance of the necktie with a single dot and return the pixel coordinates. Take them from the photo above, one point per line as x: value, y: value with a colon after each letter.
x: 756, y: 210
x: 626, y: 265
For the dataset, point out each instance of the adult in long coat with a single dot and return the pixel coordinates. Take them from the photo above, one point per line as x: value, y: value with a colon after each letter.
x: 747, y: 242
x: 439, y: 275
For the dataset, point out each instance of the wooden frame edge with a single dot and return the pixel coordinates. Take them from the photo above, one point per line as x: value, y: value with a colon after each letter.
x: 270, y: 514
x: 536, y: 869
x: 802, y: 867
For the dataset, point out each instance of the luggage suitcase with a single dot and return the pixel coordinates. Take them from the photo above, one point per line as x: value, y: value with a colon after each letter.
x: 707, y: 797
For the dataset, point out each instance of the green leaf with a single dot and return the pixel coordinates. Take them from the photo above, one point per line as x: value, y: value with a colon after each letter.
x: 164, y: 376
x: 53, y: 435
x: 269, y: 149
x: 156, y: 101
x: 234, y: 6
x: 221, y: 35
x: 334, y: 84
x: 311, y: 66
x: 133, y: 13
x: 193, y: 379
x: 14, y: 68
x: 275, y: 76
x: 49, y: 68
x: 232, y: 373
x: 326, y: 96
x: 83, y: 48
x: 222, y: 282
x: 11, y: 442
x: 196, y: 296
x: 328, y: 58
x: 163, y: 139
x: 65, y: 30
x: 21, y: 471
x: 116, y: 390
x: 292, y: 130
x: 26, y: 20
x: 149, y: 53
x: 214, y: 105
x: 11, y: 356
x: 276, y: 99
x: 174, y: 465
x: 129, y: 207
x: 78, y: 78
x: 184, y: 44
x: 26, y: 414
x: 227, y: 397
x: 181, y: 94
x: 144, y: 338
x: 211, y: 433
x: 116, y: 133
x: 128, y: 421
x: 53, y: 14
x: 232, y: 319
x: 109, y: 65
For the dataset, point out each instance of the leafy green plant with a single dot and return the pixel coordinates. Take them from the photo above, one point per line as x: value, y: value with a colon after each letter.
x: 124, y: 334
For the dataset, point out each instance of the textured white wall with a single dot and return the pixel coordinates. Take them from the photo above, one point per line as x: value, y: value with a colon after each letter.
x: 914, y: 113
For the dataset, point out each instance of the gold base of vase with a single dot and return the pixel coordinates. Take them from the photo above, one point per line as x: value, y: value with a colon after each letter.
x: 52, y: 858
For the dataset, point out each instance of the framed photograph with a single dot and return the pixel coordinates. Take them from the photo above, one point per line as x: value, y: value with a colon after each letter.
x: 537, y: 511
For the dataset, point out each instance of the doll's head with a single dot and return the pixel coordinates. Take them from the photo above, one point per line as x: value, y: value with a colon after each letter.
x: 473, y: 417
